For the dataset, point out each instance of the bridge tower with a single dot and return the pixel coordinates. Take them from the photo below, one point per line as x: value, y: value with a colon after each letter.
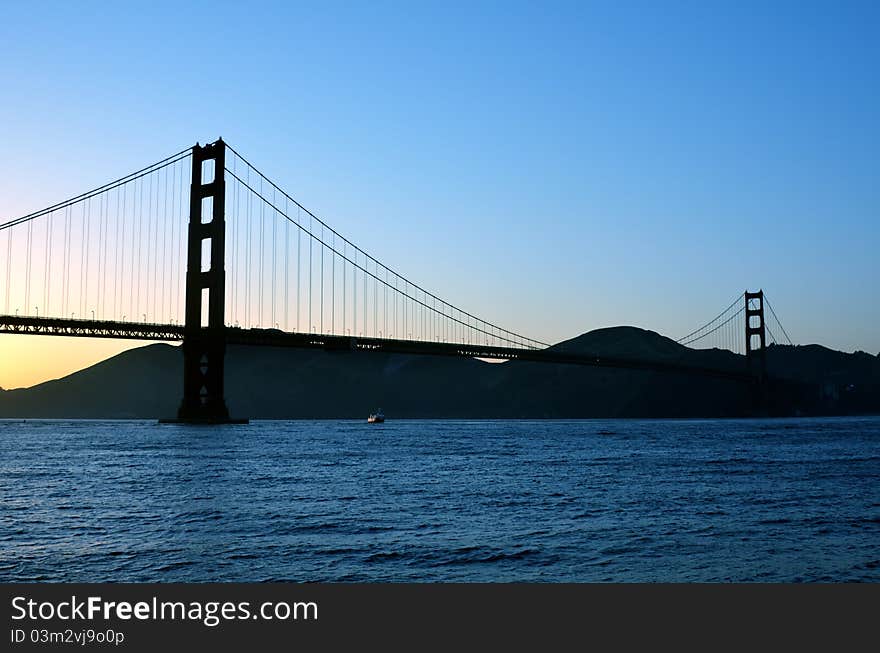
x: 756, y: 353
x: 204, y: 342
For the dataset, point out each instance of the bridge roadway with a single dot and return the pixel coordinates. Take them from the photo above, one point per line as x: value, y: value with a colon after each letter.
x: 47, y: 326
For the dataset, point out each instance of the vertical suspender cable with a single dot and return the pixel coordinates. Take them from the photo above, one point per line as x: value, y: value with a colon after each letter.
x: 84, y: 267
x: 232, y: 211
x: 99, y: 256
x: 135, y: 246
x: 27, y: 276
x: 48, y: 273
x: 247, y: 267
x: 153, y: 227
x: 174, y: 254
x: 180, y: 252
x: 8, y: 266
x: 332, y: 289
x: 274, y: 221
x: 366, y: 296
x: 117, y: 251
x: 353, y: 329
x: 161, y: 314
x: 344, y: 276
x: 260, y: 277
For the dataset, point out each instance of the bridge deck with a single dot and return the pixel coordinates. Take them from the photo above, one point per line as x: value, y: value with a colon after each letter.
x: 275, y: 338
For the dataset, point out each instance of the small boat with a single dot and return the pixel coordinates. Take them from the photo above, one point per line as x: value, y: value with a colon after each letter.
x: 376, y: 418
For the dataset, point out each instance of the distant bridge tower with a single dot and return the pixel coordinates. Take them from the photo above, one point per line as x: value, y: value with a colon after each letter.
x: 204, y: 343
x: 756, y: 352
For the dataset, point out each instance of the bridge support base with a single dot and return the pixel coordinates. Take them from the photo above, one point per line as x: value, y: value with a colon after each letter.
x: 203, y: 370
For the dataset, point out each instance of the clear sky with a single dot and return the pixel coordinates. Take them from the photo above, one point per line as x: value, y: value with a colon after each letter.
x: 552, y: 167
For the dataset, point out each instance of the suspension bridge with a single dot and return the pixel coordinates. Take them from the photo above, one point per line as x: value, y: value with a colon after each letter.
x: 201, y: 247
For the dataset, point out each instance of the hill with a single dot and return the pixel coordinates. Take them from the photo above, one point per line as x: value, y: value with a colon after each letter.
x: 298, y: 383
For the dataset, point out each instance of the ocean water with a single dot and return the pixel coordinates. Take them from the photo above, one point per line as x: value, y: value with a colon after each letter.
x: 546, y: 501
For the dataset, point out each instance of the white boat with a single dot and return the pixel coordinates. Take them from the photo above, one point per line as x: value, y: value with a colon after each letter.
x: 376, y: 418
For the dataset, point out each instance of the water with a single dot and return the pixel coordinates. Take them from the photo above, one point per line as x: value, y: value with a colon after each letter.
x: 609, y: 500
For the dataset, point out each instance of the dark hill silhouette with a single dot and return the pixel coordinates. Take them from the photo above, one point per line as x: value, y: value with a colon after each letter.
x: 624, y: 341
x: 299, y: 383
x: 136, y: 383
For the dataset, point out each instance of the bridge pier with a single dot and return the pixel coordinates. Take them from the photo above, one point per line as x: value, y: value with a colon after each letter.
x: 204, y: 341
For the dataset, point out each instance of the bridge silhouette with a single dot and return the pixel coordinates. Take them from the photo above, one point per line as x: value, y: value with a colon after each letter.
x: 262, y: 270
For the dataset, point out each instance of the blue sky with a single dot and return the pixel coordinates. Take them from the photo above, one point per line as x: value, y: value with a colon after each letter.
x: 552, y: 167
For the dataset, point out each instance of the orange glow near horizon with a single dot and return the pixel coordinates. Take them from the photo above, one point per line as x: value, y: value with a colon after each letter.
x: 27, y: 360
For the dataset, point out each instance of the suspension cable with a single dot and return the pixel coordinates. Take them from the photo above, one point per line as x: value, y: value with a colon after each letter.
x: 376, y: 261
x: 174, y: 158
x: 777, y: 319
x: 725, y: 323
x: 721, y: 314
x: 374, y: 275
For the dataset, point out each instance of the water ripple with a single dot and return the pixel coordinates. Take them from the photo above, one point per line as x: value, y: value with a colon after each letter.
x: 585, y: 501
